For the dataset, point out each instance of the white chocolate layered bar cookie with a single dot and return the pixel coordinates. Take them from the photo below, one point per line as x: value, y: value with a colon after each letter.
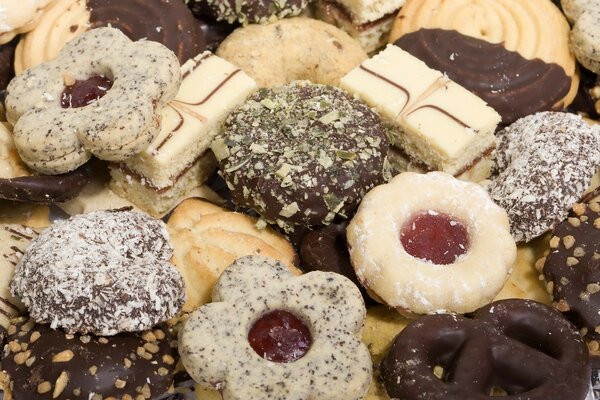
x: 368, y: 21
x: 435, y: 124
x: 179, y: 159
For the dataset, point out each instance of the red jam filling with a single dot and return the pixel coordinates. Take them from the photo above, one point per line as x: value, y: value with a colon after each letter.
x: 82, y: 93
x: 280, y: 336
x: 435, y: 237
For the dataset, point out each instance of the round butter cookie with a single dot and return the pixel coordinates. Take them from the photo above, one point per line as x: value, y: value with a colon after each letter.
x: 207, y: 239
x: 167, y: 22
x: 536, y: 30
x: 428, y: 243
x: 292, y: 49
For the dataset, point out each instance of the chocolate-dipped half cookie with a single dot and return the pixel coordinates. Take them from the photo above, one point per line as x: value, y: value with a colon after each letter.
x: 17, y: 183
x: 301, y: 153
x: 571, y: 267
x: 165, y: 21
x: 44, y: 363
x: 520, y: 60
x: 543, y: 164
x: 102, y: 273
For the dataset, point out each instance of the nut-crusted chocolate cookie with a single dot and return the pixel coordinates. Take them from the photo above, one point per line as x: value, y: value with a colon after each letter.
x: 572, y: 267
x: 103, y: 273
x: 42, y: 363
x: 251, y: 11
x: 301, y: 153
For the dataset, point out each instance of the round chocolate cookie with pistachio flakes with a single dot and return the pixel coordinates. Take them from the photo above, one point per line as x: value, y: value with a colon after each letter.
x: 301, y: 153
x: 43, y: 363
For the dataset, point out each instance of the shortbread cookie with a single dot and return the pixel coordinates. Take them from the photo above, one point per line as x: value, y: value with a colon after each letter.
x: 544, y: 164
x: 512, y: 85
x: 585, y: 39
x: 207, y: 239
x: 19, y: 16
x: 252, y: 11
x: 368, y: 21
x: 167, y: 22
x: 14, y: 240
x: 101, y: 273
x: 179, y: 159
x: 434, y: 123
x: 535, y: 29
x: 268, y: 334
x: 301, y: 153
x: 92, y: 99
x: 292, y: 49
x: 452, y: 242
x: 66, y: 366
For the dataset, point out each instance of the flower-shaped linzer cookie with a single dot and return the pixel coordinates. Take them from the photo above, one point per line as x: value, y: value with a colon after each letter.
x: 271, y: 335
x: 102, y: 95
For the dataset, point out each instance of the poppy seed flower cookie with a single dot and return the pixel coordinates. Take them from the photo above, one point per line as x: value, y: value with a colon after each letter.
x: 271, y: 335
x: 102, y: 95
x: 102, y: 273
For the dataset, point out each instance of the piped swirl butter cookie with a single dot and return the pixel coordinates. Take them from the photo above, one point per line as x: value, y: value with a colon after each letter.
x: 271, y: 335
x: 43, y: 363
x: 167, y: 22
x: 301, y: 153
x: 535, y: 30
x: 102, y: 96
x: 427, y: 243
x: 19, y: 16
x: 103, y: 273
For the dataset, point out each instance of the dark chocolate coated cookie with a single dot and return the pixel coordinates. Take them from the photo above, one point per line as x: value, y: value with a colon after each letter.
x: 511, y: 84
x: 301, y: 153
x: 572, y: 267
x: 44, y: 363
x: 520, y: 349
x: 250, y: 11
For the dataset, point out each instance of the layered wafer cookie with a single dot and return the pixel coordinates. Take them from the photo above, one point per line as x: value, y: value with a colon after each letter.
x: 179, y: 160
x: 435, y: 124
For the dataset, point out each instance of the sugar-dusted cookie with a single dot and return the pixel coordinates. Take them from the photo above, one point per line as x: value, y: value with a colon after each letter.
x: 103, y: 273
x: 292, y: 49
x: 271, y: 335
x: 207, y: 239
x: 91, y: 99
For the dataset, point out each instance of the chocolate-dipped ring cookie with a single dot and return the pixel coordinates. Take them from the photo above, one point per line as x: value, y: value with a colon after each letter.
x: 544, y: 163
x: 92, y: 99
x: 301, y: 153
x: 43, y: 363
x: 572, y: 267
x: 167, y: 22
x: 427, y: 243
x: 271, y: 335
x: 102, y: 273
x: 518, y: 349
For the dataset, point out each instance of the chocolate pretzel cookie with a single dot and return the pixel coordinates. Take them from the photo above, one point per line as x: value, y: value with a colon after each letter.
x: 517, y: 348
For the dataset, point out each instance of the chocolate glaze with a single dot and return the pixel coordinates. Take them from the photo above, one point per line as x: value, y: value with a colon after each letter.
x: 168, y: 22
x: 7, y: 59
x: 214, y: 31
x: 574, y: 264
x: 151, y: 372
x: 509, y: 83
x: 325, y: 249
x: 45, y: 189
x: 523, y: 347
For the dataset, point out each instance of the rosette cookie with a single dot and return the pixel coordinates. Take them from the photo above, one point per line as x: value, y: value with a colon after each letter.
x: 103, y: 96
x: 523, y: 47
x: 167, y: 22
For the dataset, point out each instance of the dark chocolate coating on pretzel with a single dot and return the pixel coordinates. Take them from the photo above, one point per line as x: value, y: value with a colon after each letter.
x: 573, y: 267
x: 511, y: 84
x: 168, y: 22
x: 125, y: 364
x: 7, y: 60
x: 45, y: 189
x: 302, y: 153
x: 325, y: 249
x: 525, y: 348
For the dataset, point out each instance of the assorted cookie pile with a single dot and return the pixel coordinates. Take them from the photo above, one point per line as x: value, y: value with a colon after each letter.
x: 381, y: 199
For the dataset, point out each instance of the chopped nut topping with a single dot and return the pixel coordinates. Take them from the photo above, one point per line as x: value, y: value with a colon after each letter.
x: 21, y: 357
x: 151, y: 347
x: 562, y: 305
x: 61, y: 384
x: 63, y: 356
x: 579, y: 252
x: 93, y: 369
x: 554, y: 242
x: 569, y: 241
x: 593, y: 288
x: 127, y: 362
x: 167, y: 359
x: 120, y: 384
x: 44, y: 387
x: 149, y: 336
x: 579, y: 209
x: 34, y: 336
x: 574, y: 221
